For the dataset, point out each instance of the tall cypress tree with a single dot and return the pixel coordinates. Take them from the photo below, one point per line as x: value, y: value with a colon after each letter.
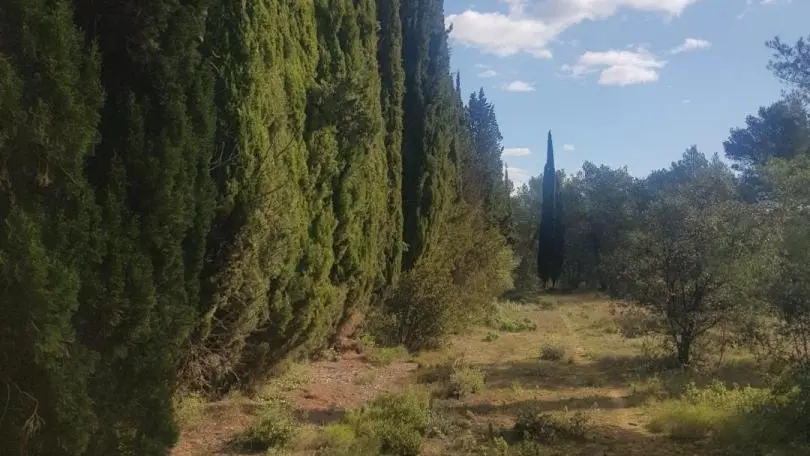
x: 49, y: 99
x: 392, y: 92
x: 549, y: 249
x: 429, y: 186
x: 150, y: 175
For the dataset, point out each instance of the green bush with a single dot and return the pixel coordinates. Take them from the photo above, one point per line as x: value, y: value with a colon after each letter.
x: 491, y: 337
x: 552, y: 352
x: 392, y: 424
x: 465, y: 380
x: 712, y: 411
x: 383, y: 356
x: 543, y: 427
x: 450, y: 287
x: 499, y: 319
x: 275, y: 428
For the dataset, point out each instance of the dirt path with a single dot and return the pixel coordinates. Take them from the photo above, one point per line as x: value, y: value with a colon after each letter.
x: 327, y: 391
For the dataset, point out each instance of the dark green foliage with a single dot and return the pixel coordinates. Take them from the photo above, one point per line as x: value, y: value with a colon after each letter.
x: 428, y: 175
x: 389, y: 52
x: 150, y: 175
x: 550, y: 236
x: 781, y: 130
x: 485, y: 179
x: 47, y: 128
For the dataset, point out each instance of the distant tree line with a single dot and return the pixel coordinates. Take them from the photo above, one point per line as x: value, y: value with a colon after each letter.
x: 700, y: 244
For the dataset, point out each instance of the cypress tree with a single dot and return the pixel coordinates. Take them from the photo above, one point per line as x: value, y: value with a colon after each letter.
x: 429, y: 185
x: 259, y: 298
x: 49, y: 100
x: 392, y: 92
x: 549, y: 249
x: 150, y: 176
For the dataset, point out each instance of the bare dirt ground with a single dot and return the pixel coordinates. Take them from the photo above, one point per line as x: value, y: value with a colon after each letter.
x: 322, y: 393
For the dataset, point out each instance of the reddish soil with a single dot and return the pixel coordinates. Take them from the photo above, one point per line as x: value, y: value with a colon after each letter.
x: 331, y: 388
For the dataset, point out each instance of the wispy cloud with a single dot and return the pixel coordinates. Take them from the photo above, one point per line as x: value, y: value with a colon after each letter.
x: 488, y: 74
x: 691, y: 44
x: 518, y: 86
x: 530, y: 26
x: 569, y: 147
x: 618, y: 67
x: 518, y: 176
x: 516, y: 152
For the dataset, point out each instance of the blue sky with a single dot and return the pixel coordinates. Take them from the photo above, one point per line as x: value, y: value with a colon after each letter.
x: 619, y: 82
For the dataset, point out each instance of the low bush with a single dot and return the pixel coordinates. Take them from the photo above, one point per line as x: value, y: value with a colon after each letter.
x: 383, y: 356
x: 392, y: 424
x: 275, y: 428
x: 552, y: 352
x: 634, y: 323
x: 500, y: 320
x: 188, y: 409
x: 712, y: 411
x: 465, y: 380
x: 541, y: 427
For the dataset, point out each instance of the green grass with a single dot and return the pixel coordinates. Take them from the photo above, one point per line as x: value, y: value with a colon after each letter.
x: 713, y: 411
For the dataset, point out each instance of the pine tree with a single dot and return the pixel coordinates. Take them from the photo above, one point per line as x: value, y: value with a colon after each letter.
x: 550, y: 236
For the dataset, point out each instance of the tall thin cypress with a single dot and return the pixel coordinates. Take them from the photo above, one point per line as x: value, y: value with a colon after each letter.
x: 549, y: 258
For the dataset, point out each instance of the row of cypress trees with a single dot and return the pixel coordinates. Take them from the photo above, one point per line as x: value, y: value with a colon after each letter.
x: 192, y: 191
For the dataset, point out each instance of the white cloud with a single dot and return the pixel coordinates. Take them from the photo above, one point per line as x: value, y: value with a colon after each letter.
x: 516, y: 152
x: 518, y: 86
x: 488, y: 74
x: 691, y: 44
x: 518, y: 176
x: 686, y: 101
x: 569, y: 147
x: 530, y: 25
x: 618, y: 67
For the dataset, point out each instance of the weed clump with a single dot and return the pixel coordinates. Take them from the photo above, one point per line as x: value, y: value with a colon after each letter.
x: 703, y: 412
x: 274, y: 429
x: 465, y: 380
x: 552, y: 352
x: 392, y: 424
x: 500, y: 320
x: 543, y: 427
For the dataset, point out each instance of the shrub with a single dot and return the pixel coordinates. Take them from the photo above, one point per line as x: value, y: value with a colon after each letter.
x: 552, y: 352
x: 500, y: 320
x: 451, y: 286
x: 275, y: 429
x: 188, y: 409
x: 465, y: 380
x: 491, y: 337
x: 392, y: 424
x: 634, y: 323
x: 547, y: 428
x: 383, y: 356
x: 712, y: 411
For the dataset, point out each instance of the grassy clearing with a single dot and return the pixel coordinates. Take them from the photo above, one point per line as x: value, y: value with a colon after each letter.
x: 587, y: 380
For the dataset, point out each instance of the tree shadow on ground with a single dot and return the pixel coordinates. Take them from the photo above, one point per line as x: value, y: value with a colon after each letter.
x: 320, y: 417
x: 617, y: 371
x: 594, y: 401
x: 604, y: 440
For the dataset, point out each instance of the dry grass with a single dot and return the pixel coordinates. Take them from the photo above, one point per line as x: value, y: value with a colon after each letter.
x: 612, y: 378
